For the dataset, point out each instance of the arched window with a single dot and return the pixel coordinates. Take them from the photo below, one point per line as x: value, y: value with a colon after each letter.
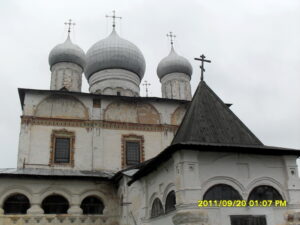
x: 222, y: 192
x: 92, y: 205
x: 16, y: 204
x: 264, y: 192
x: 170, y: 202
x: 55, y: 204
x: 157, y: 208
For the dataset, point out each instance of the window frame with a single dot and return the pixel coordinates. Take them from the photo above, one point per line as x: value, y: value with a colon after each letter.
x: 132, y: 138
x: 49, y: 206
x: 157, y: 208
x: 87, y: 206
x: 62, y: 134
x: 170, y: 200
x: 17, y: 207
x: 213, y: 188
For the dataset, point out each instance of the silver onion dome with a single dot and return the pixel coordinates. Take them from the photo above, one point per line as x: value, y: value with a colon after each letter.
x: 174, y: 63
x: 114, y: 52
x: 67, y: 52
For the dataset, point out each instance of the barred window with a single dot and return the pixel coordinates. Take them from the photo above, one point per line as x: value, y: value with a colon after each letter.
x: 157, y: 208
x: 132, y: 152
x: 62, y: 150
x: 170, y: 202
x: 222, y: 192
x: 55, y: 204
x: 92, y: 205
x: 264, y: 192
x: 16, y: 204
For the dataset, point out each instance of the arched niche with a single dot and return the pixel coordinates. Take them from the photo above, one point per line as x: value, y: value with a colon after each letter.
x: 178, y: 114
x: 128, y: 112
x: 61, y: 106
x: 222, y: 192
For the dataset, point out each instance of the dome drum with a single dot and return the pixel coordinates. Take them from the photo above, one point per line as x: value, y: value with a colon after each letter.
x: 115, y: 82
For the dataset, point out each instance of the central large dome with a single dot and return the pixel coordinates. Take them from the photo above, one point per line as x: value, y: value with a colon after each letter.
x: 114, y: 52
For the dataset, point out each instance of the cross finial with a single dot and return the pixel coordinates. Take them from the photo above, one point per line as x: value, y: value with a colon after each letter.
x: 114, y: 17
x: 172, y: 37
x: 202, y: 59
x: 69, y: 24
x: 146, y: 84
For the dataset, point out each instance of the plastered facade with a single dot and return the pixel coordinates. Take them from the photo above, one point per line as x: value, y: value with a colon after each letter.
x: 72, y: 190
x: 115, y: 82
x: 97, y: 130
x: 176, y: 86
x: 190, y: 174
x: 66, y: 75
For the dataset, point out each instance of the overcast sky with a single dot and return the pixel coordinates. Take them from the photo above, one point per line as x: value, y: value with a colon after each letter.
x: 254, y: 46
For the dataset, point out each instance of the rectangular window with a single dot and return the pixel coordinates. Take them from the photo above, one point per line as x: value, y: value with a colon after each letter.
x: 62, y: 150
x: 132, y: 152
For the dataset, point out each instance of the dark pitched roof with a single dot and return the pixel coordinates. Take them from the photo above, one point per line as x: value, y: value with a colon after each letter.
x: 209, y: 120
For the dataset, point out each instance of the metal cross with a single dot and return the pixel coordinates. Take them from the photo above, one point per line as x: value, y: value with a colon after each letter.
x: 69, y: 24
x: 146, y: 84
x: 202, y: 59
x: 172, y: 37
x: 114, y: 17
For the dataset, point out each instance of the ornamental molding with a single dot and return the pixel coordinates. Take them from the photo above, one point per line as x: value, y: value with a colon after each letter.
x: 90, y: 124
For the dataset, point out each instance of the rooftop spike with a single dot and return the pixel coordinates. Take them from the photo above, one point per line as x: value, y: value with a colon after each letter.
x: 114, y: 17
x: 172, y: 37
x: 69, y: 24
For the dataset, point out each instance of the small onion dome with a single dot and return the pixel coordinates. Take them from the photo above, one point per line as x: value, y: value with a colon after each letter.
x: 114, y: 52
x: 67, y: 52
x: 174, y: 63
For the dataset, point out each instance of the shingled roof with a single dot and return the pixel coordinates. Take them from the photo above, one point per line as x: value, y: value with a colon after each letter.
x: 209, y: 120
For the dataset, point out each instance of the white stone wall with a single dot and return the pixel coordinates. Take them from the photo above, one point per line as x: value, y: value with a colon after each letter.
x: 96, y: 146
x: 190, y: 174
x: 73, y: 190
x: 65, y: 74
x: 114, y: 81
x: 176, y: 86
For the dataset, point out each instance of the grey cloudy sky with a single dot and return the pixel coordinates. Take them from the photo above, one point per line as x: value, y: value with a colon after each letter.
x: 254, y: 46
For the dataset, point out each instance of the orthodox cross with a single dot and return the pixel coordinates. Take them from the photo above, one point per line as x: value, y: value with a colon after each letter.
x: 172, y: 37
x: 114, y: 17
x: 69, y: 24
x: 202, y: 59
x: 146, y: 84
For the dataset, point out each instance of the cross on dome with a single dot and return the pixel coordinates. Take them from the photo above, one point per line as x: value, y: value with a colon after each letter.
x: 114, y: 17
x: 171, y: 36
x: 69, y: 24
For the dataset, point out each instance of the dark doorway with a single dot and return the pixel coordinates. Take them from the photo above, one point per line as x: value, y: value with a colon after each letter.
x: 248, y: 220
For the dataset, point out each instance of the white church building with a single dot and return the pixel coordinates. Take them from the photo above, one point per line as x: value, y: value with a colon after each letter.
x: 112, y: 157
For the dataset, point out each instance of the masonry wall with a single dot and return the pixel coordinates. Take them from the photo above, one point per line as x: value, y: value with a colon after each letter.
x: 190, y: 174
x: 36, y: 189
x: 99, y: 126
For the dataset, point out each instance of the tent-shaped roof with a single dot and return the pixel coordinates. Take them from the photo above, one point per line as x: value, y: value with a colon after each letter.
x: 209, y: 120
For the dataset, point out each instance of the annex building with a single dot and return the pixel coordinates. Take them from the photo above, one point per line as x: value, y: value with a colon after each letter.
x: 112, y: 157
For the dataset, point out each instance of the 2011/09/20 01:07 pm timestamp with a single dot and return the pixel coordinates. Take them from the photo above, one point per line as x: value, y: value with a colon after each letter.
x: 242, y: 203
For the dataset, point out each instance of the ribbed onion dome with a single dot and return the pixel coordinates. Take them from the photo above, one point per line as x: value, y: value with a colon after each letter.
x: 174, y: 63
x: 115, y: 52
x: 67, y: 52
